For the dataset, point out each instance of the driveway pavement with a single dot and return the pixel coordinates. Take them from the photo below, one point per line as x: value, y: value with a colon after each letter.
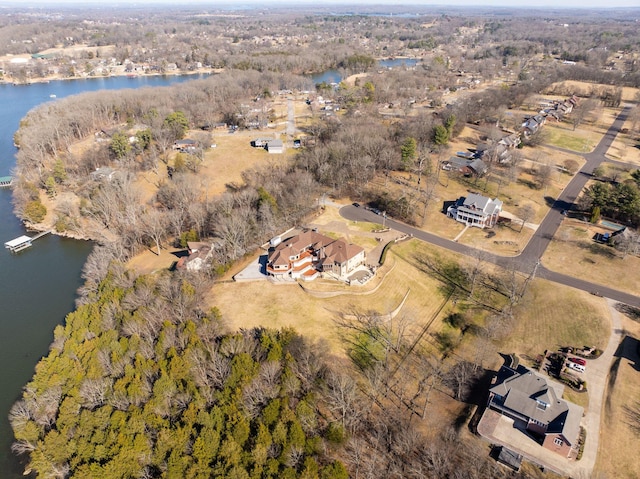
x: 596, y: 375
x: 598, y: 369
x: 500, y: 429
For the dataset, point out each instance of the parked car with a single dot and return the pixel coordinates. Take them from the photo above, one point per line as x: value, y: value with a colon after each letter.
x: 357, y: 205
x: 578, y: 361
x: 576, y: 367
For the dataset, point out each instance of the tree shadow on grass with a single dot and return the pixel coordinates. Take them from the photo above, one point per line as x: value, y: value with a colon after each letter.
x: 529, y: 183
x: 597, y: 249
x: 630, y: 311
x: 632, y: 415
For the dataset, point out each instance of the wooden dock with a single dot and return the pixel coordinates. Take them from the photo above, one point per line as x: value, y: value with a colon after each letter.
x: 6, y: 181
x: 23, y: 242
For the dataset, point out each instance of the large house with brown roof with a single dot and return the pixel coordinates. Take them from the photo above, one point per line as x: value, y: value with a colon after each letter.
x: 535, y: 402
x: 310, y: 253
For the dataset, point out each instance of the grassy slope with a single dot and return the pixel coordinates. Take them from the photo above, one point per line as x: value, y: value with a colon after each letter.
x: 552, y: 316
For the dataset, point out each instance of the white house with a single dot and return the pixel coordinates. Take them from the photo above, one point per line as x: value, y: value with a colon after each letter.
x: 476, y: 210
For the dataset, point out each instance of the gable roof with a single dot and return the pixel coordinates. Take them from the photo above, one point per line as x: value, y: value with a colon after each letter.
x: 296, y: 245
x: 531, y: 395
x: 338, y: 252
x: 479, y: 202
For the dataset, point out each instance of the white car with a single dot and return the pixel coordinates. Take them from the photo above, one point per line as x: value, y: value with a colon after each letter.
x: 576, y: 367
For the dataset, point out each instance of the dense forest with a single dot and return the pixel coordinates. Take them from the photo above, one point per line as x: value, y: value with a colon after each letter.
x: 141, y: 383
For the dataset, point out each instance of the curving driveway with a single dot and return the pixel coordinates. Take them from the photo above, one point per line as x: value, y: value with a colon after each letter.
x: 529, y: 258
x: 598, y: 370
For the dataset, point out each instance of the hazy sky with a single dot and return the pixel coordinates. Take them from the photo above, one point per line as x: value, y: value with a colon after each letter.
x: 564, y: 4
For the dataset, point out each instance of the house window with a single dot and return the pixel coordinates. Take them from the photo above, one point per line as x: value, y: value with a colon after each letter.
x: 557, y: 441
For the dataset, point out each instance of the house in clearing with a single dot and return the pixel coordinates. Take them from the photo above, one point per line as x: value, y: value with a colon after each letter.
x: 535, y: 405
x: 476, y: 210
x: 187, y: 145
x: 199, y: 256
x: 310, y: 253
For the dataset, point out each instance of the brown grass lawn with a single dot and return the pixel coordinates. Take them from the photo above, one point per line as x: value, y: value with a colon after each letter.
x: 620, y: 436
x: 573, y: 252
x: 626, y: 147
x: 628, y: 93
x: 222, y: 165
x: 247, y: 305
x: 552, y: 315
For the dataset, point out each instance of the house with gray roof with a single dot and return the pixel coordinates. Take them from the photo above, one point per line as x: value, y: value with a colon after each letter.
x: 476, y: 210
x: 535, y: 403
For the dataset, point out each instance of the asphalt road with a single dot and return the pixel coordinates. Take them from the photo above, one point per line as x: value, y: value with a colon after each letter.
x: 526, y: 261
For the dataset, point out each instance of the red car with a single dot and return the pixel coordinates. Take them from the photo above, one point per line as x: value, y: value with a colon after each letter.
x: 578, y: 361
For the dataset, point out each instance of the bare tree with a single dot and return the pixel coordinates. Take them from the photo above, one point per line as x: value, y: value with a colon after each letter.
x: 154, y: 224
x: 525, y: 212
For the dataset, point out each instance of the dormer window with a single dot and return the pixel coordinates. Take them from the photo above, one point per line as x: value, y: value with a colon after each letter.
x: 541, y: 405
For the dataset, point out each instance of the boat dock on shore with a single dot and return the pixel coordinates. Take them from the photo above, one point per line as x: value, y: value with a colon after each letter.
x: 6, y: 181
x: 23, y: 242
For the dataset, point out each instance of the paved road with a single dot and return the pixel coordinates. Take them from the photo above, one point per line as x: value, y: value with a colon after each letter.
x: 544, y: 234
x: 526, y: 261
x: 529, y: 258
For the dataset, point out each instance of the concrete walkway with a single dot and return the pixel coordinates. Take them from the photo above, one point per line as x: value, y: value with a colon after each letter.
x: 516, y: 220
x: 461, y: 233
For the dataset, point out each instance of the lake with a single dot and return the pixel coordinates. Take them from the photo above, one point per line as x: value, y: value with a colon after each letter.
x: 38, y: 285
x: 335, y: 76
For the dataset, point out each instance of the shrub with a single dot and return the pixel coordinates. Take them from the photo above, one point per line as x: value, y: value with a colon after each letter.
x: 35, y: 211
x: 336, y: 433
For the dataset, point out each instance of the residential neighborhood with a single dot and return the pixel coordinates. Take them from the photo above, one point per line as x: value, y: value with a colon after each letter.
x: 322, y: 242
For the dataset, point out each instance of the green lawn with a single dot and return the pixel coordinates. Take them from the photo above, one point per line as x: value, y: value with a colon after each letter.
x: 578, y: 140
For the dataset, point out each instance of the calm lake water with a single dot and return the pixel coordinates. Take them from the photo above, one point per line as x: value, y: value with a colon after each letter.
x: 335, y: 76
x: 37, y: 285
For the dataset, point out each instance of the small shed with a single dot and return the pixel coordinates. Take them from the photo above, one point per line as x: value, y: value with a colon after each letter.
x: 275, y: 146
x: 509, y: 458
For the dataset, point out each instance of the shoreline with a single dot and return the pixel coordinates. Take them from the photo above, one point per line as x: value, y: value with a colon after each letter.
x: 52, y: 78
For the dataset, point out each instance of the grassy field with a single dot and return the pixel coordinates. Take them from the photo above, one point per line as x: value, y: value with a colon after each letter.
x: 552, y: 315
x: 277, y: 306
x: 626, y: 146
x: 573, y: 252
x: 222, y: 165
x: 618, y: 452
x: 562, y: 135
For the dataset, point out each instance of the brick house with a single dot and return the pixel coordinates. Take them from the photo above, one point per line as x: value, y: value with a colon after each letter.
x: 306, y: 255
x: 534, y: 403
